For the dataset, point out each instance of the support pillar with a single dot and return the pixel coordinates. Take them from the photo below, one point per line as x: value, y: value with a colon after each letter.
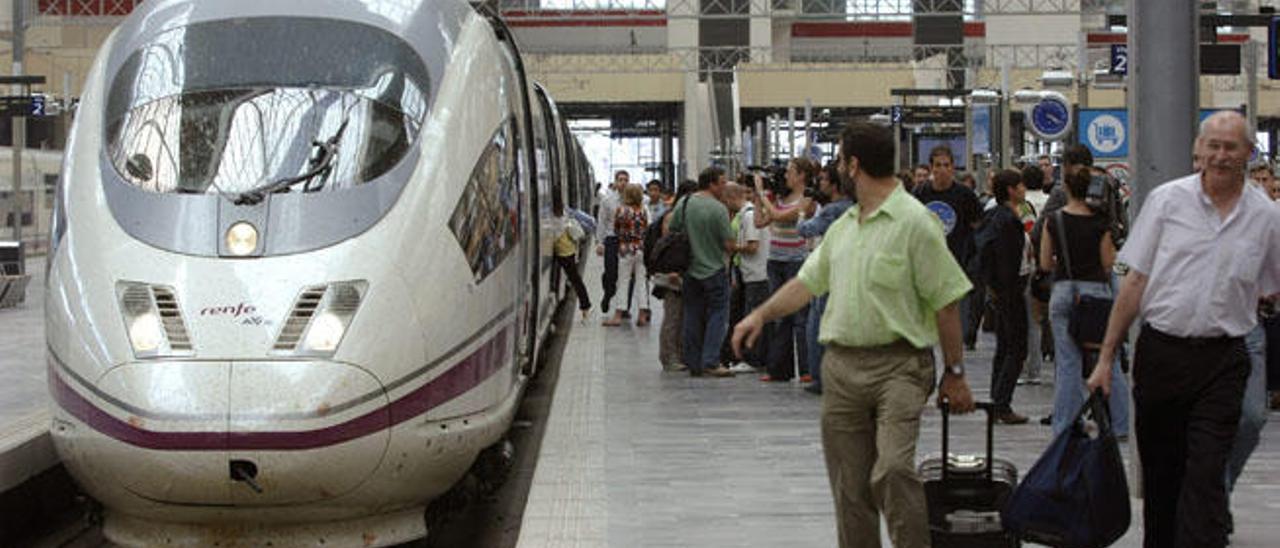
x: 1164, y: 67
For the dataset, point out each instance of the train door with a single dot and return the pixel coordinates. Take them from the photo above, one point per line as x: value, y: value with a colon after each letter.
x: 530, y: 174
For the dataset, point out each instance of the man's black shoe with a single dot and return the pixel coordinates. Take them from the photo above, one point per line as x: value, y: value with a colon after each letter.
x: 1047, y: 420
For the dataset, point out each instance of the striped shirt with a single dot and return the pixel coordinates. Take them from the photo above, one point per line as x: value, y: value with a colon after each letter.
x: 785, y: 242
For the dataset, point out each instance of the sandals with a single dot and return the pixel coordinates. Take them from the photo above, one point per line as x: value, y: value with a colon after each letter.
x: 642, y: 319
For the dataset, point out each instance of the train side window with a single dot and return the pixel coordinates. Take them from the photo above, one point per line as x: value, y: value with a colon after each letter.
x: 485, y: 220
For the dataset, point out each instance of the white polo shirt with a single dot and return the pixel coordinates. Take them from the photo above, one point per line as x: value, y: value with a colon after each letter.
x: 754, y: 267
x: 1205, y: 273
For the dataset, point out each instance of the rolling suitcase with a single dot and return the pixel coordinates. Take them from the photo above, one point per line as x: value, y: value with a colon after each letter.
x: 966, y: 495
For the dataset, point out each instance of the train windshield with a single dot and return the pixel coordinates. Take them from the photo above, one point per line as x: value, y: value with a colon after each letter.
x: 284, y: 104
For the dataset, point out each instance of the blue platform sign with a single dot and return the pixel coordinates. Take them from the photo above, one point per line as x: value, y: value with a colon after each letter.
x: 1105, y: 132
x: 895, y: 114
x: 1120, y: 59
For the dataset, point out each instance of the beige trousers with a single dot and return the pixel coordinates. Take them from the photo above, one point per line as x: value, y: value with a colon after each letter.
x: 872, y: 399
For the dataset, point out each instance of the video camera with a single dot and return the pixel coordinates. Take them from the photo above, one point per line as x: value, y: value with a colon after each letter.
x: 775, y: 180
x: 775, y: 177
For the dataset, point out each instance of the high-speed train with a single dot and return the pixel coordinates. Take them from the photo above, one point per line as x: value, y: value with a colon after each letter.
x: 301, y: 266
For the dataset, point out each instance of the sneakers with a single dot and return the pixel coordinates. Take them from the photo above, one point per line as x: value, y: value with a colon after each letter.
x: 742, y: 367
x: 806, y: 378
x: 1010, y: 417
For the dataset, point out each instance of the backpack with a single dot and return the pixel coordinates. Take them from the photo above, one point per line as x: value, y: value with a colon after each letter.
x: 652, y: 234
x: 672, y: 253
x: 983, y: 261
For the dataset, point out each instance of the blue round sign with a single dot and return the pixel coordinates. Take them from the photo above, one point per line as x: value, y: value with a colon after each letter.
x: 1051, y: 118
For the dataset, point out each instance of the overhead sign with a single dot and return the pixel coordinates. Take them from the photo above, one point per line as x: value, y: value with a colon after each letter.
x: 22, y: 105
x: 1120, y: 59
x: 895, y: 114
x: 1105, y: 132
x: 933, y: 115
x: 1273, y: 72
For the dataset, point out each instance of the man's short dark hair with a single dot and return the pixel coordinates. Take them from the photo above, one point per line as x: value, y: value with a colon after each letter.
x: 686, y: 188
x: 941, y: 150
x: 923, y: 166
x: 1077, y: 155
x: 871, y: 144
x: 709, y: 177
x: 654, y: 183
x: 1033, y: 177
x: 621, y: 172
x: 1045, y: 157
x: 1004, y: 180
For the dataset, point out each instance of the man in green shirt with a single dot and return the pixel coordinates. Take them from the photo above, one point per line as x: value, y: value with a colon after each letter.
x: 706, y: 283
x: 894, y: 290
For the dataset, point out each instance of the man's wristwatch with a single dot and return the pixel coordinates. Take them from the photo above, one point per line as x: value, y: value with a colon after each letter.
x: 956, y: 370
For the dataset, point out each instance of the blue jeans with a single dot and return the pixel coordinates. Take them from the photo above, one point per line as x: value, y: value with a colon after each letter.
x: 705, y: 322
x: 787, y: 342
x: 1034, y: 357
x: 816, y: 308
x: 1069, y: 389
x: 1253, y: 411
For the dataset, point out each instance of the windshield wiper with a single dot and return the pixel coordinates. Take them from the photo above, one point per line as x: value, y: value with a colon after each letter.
x: 320, y: 165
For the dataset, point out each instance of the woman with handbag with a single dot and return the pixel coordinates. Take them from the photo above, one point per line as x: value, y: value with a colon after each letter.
x: 1076, y: 246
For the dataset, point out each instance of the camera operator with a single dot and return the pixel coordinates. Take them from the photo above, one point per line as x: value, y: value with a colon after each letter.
x: 837, y: 197
x: 787, y: 252
x: 1104, y: 197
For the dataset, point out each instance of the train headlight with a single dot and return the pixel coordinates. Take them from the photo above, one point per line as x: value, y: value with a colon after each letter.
x: 325, y: 333
x: 242, y: 239
x: 153, y: 320
x: 146, y: 333
x: 327, y: 312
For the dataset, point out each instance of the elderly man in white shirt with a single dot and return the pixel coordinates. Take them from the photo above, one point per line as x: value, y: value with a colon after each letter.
x: 1201, y: 254
x: 608, y: 246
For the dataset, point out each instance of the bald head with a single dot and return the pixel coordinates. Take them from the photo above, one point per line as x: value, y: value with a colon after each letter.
x: 733, y: 196
x: 1227, y: 121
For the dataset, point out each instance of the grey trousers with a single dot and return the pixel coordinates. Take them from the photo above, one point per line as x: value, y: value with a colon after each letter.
x: 670, y: 344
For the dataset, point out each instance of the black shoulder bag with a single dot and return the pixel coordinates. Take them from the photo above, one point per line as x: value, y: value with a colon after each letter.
x: 673, y: 252
x: 1089, y: 314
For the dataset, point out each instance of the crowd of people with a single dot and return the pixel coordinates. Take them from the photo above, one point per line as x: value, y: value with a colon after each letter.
x: 859, y: 272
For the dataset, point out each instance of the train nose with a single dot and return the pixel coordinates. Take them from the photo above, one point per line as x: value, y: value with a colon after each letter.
x: 308, y: 430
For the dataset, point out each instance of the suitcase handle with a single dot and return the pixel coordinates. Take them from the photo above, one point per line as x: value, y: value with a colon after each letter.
x: 990, y: 409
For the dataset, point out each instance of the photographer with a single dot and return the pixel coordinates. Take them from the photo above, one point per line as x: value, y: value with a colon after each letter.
x: 787, y: 251
x: 838, y: 197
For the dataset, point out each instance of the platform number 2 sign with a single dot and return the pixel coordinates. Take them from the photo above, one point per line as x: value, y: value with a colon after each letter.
x: 1120, y: 59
